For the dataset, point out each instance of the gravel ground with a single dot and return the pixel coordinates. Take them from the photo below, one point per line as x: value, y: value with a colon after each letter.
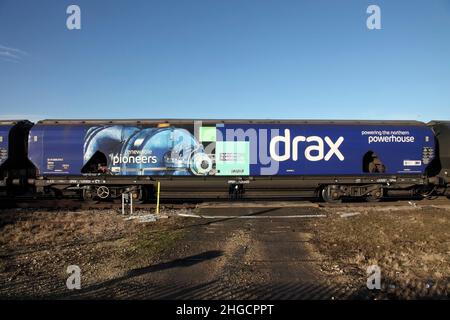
x: 261, y: 255
x: 411, y: 248
x: 36, y: 247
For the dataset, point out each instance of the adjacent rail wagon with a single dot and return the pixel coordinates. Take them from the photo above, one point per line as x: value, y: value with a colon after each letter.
x: 15, y: 167
x: 440, y: 169
x: 101, y: 159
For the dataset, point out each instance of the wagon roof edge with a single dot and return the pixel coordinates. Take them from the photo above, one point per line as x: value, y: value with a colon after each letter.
x: 230, y: 121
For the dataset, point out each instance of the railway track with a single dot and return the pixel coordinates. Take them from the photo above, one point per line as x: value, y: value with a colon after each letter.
x: 75, y: 204
x: 83, y: 205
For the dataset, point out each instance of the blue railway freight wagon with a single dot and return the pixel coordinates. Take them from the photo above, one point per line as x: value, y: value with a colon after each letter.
x: 337, y: 159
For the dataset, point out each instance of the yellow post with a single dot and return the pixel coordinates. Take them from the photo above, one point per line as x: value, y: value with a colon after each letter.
x: 157, y: 198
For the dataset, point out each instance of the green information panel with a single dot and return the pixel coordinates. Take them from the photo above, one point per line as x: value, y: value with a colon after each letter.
x: 233, y: 158
x: 207, y: 134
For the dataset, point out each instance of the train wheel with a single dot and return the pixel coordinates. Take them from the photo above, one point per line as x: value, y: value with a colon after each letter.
x: 330, y: 195
x: 375, y: 196
x: 429, y: 192
x: 88, y: 196
x: 142, y: 195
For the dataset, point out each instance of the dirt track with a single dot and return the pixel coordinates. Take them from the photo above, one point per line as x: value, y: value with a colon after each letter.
x: 257, y: 255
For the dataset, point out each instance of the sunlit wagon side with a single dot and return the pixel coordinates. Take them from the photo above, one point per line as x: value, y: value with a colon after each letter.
x: 238, y: 158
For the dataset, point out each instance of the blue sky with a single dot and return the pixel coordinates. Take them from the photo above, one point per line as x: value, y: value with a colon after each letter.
x: 225, y: 59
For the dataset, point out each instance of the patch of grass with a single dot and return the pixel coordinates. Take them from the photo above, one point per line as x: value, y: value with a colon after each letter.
x: 409, y: 246
x: 150, y: 244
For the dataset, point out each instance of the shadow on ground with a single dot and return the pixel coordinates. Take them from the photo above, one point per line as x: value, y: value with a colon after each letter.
x: 110, y: 285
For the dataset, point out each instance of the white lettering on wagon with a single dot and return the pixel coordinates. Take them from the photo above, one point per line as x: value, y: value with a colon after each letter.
x: 138, y: 159
x: 388, y: 136
x: 315, y: 150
